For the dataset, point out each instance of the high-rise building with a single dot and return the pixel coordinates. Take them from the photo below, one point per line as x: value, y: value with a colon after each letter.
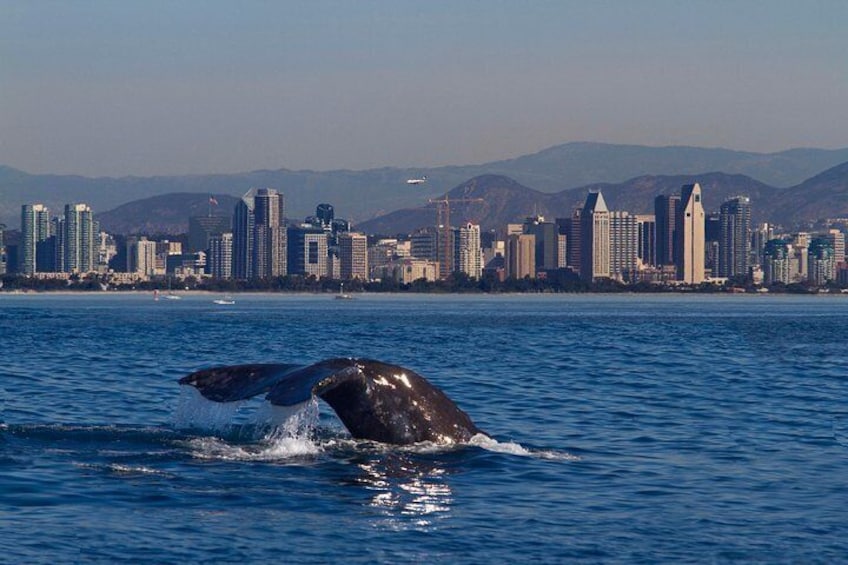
x: 307, y: 252
x: 141, y: 256
x: 665, y: 214
x: 734, y: 243
x: 468, y: 252
x: 259, y: 235
x: 837, y: 241
x: 763, y: 234
x: 546, y: 241
x: 647, y: 225
x: 221, y: 256
x: 353, y: 256
x: 690, y: 235
x: 425, y: 244
x: 595, y: 238
x: 623, y: 245
x: 821, y: 262
x: 35, y: 228
x: 777, y: 262
x: 573, y: 244
x: 521, y: 255
x: 79, y: 245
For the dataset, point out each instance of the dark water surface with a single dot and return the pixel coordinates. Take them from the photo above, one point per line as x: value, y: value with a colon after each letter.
x: 626, y: 428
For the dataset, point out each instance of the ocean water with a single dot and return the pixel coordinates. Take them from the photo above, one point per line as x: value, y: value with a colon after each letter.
x: 622, y: 428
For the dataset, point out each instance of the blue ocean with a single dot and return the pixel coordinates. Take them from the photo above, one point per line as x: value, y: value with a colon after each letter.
x: 636, y: 428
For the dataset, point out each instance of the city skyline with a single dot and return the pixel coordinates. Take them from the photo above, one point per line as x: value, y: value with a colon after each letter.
x: 594, y: 243
x: 104, y: 88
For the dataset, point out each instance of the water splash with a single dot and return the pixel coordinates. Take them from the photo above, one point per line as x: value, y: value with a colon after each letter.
x: 283, y: 432
x: 196, y: 412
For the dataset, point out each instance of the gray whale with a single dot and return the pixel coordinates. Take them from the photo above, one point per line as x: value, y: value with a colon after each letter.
x: 374, y: 400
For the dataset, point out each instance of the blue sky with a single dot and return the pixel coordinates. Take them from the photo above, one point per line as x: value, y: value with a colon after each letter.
x: 119, y: 87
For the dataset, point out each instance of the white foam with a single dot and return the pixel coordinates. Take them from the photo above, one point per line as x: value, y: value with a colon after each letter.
x: 511, y: 448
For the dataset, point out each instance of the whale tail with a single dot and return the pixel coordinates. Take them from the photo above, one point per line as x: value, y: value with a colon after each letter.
x: 374, y: 400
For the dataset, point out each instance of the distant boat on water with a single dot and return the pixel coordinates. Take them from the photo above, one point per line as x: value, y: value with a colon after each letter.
x: 342, y: 295
x: 225, y: 301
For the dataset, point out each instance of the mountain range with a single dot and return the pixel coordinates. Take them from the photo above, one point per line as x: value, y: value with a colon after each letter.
x: 559, y: 176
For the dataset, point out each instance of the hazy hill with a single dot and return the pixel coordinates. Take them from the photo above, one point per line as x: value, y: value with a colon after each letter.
x: 360, y: 195
x: 506, y: 201
x: 823, y: 196
x: 166, y: 213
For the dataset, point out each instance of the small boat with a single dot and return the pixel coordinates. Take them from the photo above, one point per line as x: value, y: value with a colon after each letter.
x: 342, y: 295
x: 225, y: 301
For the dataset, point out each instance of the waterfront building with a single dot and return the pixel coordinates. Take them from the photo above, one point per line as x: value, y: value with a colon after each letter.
x: 822, y: 263
x: 647, y: 248
x: 381, y: 253
x: 570, y: 229
x: 623, y: 245
x: 141, y: 256
x: 800, y: 256
x: 546, y: 242
x: 259, y: 235
x: 425, y: 244
x: 837, y: 241
x: 35, y: 228
x: 595, y: 238
x: 408, y: 270
x: 665, y: 215
x: 761, y: 235
x: 307, y: 252
x: 353, y: 256
x: 777, y: 264
x: 468, y: 252
x: 689, y: 235
x: 734, y: 243
x: 79, y: 244
x: 220, y: 260
x: 521, y: 256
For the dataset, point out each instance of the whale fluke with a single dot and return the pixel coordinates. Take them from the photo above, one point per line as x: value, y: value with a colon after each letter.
x: 374, y: 400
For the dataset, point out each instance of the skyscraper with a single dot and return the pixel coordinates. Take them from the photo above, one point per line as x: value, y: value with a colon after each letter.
x: 647, y: 238
x: 307, y: 252
x: 221, y: 255
x: 777, y: 262
x: 79, y: 244
x: 665, y: 215
x: 35, y: 228
x: 624, y: 245
x: 469, y: 255
x: 259, y: 235
x: 353, y: 256
x: 594, y: 238
x: 546, y: 241
x: 521, y: 255
x: 821, y: 261
x: 690, y: 235
x: 734, y: 242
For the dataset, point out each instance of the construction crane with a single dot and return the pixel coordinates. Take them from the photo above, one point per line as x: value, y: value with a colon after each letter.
x: 443, y: 223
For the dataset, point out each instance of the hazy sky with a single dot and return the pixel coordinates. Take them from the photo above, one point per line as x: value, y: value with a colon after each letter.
x: 119, y: 87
